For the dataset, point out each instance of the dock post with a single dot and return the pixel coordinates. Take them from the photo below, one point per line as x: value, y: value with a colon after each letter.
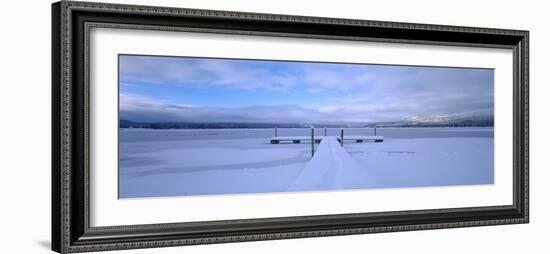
x: 312, y: 142
x: 275, y: 131
x: 374, y: 131
x: 325, y: 131
x: 341, y: 137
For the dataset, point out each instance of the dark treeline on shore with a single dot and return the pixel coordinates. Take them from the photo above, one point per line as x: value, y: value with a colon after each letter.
x: 486, y: 122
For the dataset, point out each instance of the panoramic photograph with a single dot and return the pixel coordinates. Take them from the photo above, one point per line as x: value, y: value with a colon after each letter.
x: 192, y: 126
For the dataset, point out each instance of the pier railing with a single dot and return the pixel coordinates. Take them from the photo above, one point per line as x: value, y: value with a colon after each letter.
x: 313, y: 139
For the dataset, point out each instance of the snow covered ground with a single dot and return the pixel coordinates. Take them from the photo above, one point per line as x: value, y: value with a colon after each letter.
x: 427, y: 161
x: 157, y: 163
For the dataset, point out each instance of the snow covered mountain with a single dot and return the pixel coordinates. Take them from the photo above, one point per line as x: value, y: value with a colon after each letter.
x: 442, y: 120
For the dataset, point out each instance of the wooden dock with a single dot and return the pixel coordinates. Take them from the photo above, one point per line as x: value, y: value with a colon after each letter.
x: 362, y: 139
x: 333, y: 167
x: 317, y: 139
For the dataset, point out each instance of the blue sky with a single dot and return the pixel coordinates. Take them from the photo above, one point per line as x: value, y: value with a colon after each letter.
x: 182, y: 89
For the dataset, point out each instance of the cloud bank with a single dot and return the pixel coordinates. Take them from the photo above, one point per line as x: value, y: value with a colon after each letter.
x: 178, y: 89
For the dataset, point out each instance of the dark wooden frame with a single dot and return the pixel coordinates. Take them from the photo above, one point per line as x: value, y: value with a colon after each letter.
x: 71, y: 22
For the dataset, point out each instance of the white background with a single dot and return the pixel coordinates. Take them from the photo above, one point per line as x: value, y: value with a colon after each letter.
x: 108, y: 210
x: 25, y: 126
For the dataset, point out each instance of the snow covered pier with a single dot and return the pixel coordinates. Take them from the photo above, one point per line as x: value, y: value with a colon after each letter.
x: 332, y: 167
x: 295, y: 139
x: 351, y: 138
x: 362, y: 139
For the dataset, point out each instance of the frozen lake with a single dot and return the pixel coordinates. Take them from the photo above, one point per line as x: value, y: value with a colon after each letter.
x: 158, y: 163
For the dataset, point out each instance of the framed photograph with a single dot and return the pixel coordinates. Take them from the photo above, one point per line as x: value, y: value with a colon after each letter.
x: 182, y: 126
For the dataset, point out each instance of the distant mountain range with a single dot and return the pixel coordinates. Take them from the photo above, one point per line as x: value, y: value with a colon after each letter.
x: 184, y: 125
x: 450, y: 120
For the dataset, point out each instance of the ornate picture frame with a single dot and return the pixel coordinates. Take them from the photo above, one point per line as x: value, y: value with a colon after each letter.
x: 71, y: 24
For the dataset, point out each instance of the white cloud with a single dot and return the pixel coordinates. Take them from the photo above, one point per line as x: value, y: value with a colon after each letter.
x: 340, y: 92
